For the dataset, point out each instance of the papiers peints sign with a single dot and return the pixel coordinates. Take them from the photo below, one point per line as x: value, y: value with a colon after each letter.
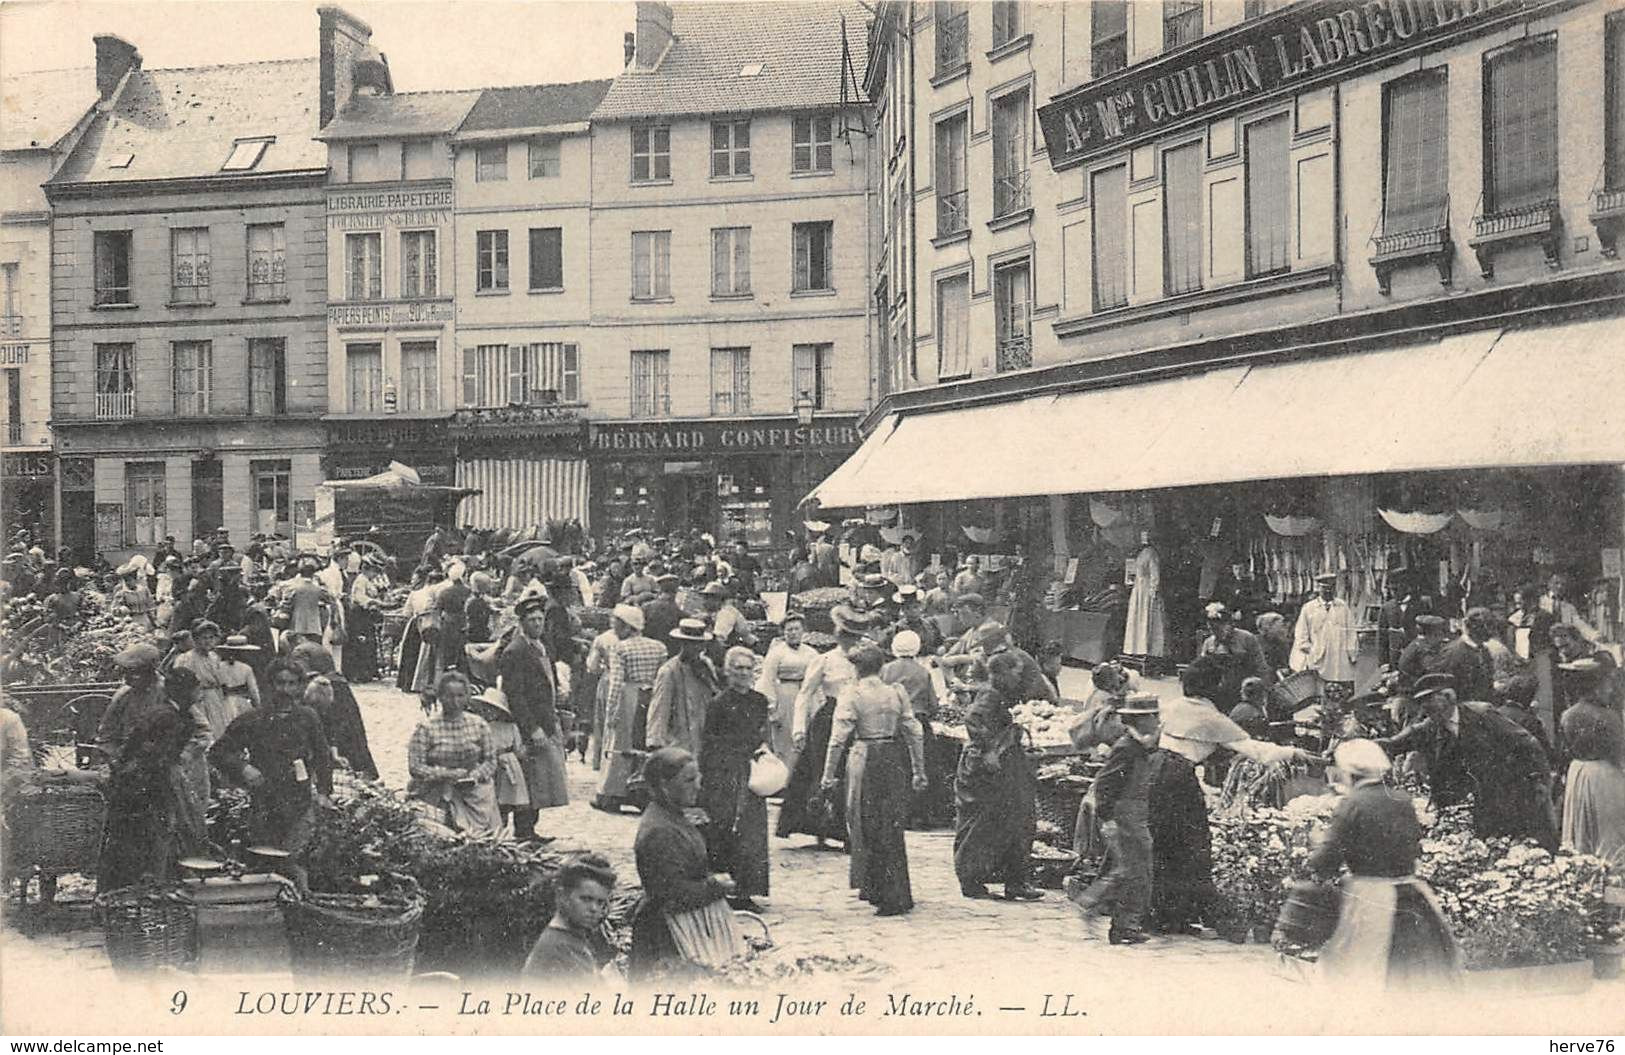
x: 1292, y: 49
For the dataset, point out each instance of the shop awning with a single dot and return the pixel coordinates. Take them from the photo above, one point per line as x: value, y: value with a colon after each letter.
x: 1461, y: 402
x: 523, y: 492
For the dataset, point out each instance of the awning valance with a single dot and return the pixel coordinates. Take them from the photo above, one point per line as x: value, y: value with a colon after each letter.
x: 1460, y: 402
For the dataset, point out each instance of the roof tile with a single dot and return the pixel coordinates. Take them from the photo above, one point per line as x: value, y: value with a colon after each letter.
x: 535, y: 106
x: 401, y: 114
x: 38, y: 109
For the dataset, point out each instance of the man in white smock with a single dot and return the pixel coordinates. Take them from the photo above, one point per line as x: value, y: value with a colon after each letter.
x: 1325, y: 640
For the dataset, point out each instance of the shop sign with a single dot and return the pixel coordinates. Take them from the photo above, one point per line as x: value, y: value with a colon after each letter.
x: 387, y: 434
x: 370, y: 211
x: 438, y: 474
x: 1297, y: 47
x: 13, y: 354
x: 404, y: 313
x: 724, y: 437
x: 27, y: 465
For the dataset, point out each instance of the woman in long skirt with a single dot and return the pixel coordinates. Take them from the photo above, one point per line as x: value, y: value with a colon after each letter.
x: 784, y: 668
x: 735, y: 732
x: 871, y: 716
x: 1390, y: 933
x: 815, y: 714
x: 1594, y: 798
x: 1183, y: 893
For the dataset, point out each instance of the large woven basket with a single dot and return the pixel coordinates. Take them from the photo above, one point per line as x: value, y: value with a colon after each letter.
x: 149, y: 926
x: 1057, y: 802
x: 59, y: 827
x: 354, y: 934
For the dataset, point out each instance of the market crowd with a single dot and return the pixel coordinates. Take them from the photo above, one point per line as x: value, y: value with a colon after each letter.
x: 695, y: 708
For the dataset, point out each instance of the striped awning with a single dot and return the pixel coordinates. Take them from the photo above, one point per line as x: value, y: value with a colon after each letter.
x: 523, y: 492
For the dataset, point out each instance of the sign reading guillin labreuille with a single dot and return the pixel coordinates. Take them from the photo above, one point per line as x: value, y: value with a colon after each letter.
x: 1292, y: 49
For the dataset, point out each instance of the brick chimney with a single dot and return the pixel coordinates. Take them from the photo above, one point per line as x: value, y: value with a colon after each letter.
x: 654, y: 33
x: 115, y: 57
x: 345, y: 41
x: 631, y: 48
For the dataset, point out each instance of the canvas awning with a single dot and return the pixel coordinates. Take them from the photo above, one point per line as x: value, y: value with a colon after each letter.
x: 1459, y: 402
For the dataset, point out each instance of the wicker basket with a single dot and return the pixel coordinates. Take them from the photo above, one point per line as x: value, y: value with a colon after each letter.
x: 1057, y: 802
x: 354, y: 934
x: 59, y: 827
x: 148, y: 927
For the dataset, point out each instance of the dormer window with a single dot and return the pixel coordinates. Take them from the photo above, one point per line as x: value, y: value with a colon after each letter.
x: 246, y: 153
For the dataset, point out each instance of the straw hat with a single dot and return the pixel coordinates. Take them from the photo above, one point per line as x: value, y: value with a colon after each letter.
x: 238, y: 643
x: 690, y: 630
x: 493, y: 698
x: 630, y: 614
x: 905, y: 644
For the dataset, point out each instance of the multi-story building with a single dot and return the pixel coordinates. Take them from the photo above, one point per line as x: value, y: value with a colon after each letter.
x: 188, y: 292
x: 46, y: 114
x: 523, y: 164
x: 728, y: 361
x: 1354, y: 262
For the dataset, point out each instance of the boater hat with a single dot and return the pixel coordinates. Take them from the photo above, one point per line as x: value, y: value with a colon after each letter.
x: 690, y: 630
x: 1139, y: 703
x: 238, y: 643
x: 1326, y: 576
x: 493, y: 698
x: 1432, y: 684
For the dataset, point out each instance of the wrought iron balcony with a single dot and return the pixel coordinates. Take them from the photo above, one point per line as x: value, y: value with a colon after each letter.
x: 1010, y: 193
x: 1015, y: 352
x: 1540, y: 222
x: 14, y: 432
x: 1608, y: 217
x: 953, y: 213
x: 1424, y: 239
x: 115, y: 404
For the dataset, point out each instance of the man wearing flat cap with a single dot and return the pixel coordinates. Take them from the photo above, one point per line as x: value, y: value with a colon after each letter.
x: 1325, y: 639
x: 528, y: 679
x: 1470, y: 748
x: 1421, y: 656
x: 1239, y: 654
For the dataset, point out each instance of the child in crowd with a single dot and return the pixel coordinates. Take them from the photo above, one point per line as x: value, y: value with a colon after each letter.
x: 1122, y: 793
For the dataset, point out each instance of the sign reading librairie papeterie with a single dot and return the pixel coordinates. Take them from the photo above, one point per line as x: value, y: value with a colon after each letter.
x: 1292, y: 49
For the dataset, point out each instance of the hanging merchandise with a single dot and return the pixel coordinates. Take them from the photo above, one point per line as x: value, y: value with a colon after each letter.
x: 1416, y: 523
x: 894, y: 535
x: 1292, y: 526
x: 1104, y: 515
x: 979, y: 535
x: 1486, y: 519
x: 1122, y: 536
x: 881, y: 514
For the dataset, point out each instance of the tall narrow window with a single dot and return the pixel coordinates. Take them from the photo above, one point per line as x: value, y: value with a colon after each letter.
x: 544, y: 158
x: 112, y: 253
x: 14, y: 406
x: 1010, y: 139
x: 419, y: 266
x: 730, y: 381
x: 491, y: 163
x: 1614, y: 176
x: 1181, y: 22
x: 273, y: 497
x: 490, y: 261
x: 1416, y: 162
x: 813, y: 242
x: 812, y: 143
x: 1182, y: 219
x: 420, y: 375
x: 365, y: 366
x: 189, y: 271
x: 364, y: 266
x: 1269, y: 195
x: 1006, y: 21
x: 651, y: 383
x: 810, y: 366
x: 651, y: 153
x: 1108, y: 50
x: 145, y: 523
x: 267, y: 261
x: 267, y: 376
x: 10, y: 291
x: 115, y: 380
x: 953, y: 199
x: 1012, y: 309
x: 193, y: 377
x: 651, y: 265
x: 1109, y: 225
x: 953, y: 37
x: 546, y: 258
x: 730, y: 148
x: 1520, y: 126
x: 953, y: 328
x: 730, y: 261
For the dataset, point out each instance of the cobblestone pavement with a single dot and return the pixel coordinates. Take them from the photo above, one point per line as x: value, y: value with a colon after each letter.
x: 997, y: 954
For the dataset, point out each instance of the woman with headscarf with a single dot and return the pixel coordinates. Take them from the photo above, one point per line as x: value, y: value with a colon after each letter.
x: 735, y: 733
x: 1594, y: 794
x: 204, y: 665
x: 673, y: 865
x: 341, y: 720
x: 477, y: 610
x: 1390, y: 932
x: 871, y: 716
x: 814, y: 717
x: 452, y: 760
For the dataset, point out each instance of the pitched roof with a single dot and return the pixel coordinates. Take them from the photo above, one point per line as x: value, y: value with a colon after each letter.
x: 797, y: 44
x: 534, y: 106
x: 38, y: 109
x: 401, y: 114
x: 183, y: 123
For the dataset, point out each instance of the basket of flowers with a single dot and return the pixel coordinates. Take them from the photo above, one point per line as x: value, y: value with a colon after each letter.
x: 148, y: 926
x: 372, y: 933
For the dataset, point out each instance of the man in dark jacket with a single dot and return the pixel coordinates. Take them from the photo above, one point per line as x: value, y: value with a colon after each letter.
x: 1468, y: 661
x: 1421, y: 656
x: 1237, y: 653
x: 1471, y: 749
x: 526, y: 665
x: 661, y: 615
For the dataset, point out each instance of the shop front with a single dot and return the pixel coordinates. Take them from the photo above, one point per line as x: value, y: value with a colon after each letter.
x: 730, y: 478
x: 528, y: 463
x: 28, y: 494
x: 358, y: 449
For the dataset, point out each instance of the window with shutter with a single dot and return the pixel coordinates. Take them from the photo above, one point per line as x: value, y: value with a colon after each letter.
x: 1416, y: 164
x: 651, y: 383
x: 570, y: 373
x: 1614, y: 60
x: 1269, y: 194
x: 1182, y: 219
x: 419, y: 269
x: 730, y: 381
x: 1010, y: 138
x: 730, y: 261
x: 267, y: 375
x: 1109, y: 227
x: 193, y: 375
x: 1006, y: 21
x: 953, y: 327
x: 810, y: 367
x: 813, y: 243
x: 365, y: 363
x: 1520, y: 126
x: 1012, y: 310
x: 364, y: 277
x: 953, y: 199
x: 420, y: 375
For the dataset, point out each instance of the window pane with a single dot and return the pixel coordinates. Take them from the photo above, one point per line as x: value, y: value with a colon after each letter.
x: 366, y: 370
x: 1269, y: 234
x: 1416, y: 168
x: 544, y: 158
x: 1182, y: 218
x: 1615, y: 62
x: 953, y: 330
x: 546, y: 258
x: 1521, y: 126
x: 1109, y: 195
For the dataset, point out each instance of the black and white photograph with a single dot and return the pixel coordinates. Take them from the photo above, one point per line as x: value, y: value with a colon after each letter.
x: 758, y: 518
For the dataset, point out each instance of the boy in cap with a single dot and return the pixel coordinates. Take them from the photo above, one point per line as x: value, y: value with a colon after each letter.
x: 1122, y: 802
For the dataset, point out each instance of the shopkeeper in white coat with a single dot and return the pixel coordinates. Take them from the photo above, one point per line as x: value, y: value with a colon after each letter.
x: 1325, y: 639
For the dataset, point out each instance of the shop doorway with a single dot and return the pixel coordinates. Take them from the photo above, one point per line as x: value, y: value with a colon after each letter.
x: 687, y: 498
x: 208, y: 496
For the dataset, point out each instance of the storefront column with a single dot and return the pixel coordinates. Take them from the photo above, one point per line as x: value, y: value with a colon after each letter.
x: 238, y: 500
x: 1057, y: 530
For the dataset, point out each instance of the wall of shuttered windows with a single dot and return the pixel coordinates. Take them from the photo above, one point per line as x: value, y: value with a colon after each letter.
x: 1416, y: 154
x: 1520, y: 125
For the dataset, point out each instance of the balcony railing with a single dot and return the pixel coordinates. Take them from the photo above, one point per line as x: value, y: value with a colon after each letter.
x: 1540, y: 222
x: 1010, y: 193
x: 1608, y: 217
x: 1413, y: 238
x: 1015, y: 352
x: 11, y: 325
x: 953, y: 44
x: 115, y: 404
x: 14, y: 432
x: 953, y: 213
